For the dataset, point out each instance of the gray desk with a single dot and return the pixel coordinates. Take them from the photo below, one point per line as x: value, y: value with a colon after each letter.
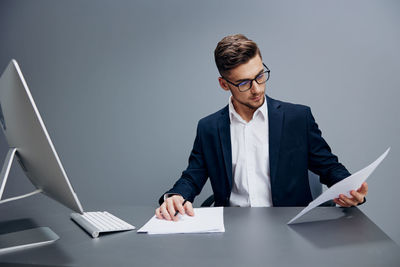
x: 253, y: 237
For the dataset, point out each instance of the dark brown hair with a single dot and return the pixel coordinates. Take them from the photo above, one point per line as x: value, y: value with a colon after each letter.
x: 234, y: 50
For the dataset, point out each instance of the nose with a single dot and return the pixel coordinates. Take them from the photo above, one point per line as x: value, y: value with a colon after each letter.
x: 255, y: 87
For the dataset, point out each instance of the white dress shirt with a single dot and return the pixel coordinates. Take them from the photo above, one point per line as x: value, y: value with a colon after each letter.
x: 251, y: 186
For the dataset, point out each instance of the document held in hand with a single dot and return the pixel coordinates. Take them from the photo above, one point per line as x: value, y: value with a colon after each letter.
x: 205, y: 220
x: 353, y: 182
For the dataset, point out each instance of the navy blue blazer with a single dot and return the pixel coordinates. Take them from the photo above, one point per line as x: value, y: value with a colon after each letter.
x: 295, y: 145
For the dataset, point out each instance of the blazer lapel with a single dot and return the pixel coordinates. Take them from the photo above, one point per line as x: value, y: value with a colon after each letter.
x: 275, y: 120
x: 225, y: 138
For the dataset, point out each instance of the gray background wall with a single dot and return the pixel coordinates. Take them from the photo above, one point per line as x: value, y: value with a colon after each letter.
x: 122, y: 84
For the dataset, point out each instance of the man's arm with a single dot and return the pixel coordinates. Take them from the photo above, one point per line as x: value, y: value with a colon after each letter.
x: 188, y: 186
x: 324, y: 163
x: 321, y: 160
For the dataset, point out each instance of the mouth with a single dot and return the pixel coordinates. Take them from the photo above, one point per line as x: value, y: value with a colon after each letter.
x: 257, y: 98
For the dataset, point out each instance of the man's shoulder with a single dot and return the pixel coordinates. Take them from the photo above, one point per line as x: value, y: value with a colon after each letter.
x: 213, y: 118
x: 288, y: 107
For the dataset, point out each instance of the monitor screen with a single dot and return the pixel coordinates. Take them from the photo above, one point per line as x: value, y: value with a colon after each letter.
x: 25, y: 131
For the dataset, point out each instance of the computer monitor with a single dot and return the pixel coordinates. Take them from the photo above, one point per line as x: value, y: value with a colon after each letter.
x: 30, y: 143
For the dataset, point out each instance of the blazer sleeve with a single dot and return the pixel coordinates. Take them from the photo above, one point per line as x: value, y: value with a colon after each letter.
x: 195, y: 176
x: 321, y: 160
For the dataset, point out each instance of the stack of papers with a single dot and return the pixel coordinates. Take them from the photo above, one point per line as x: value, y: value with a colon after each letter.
x: 205, y: 220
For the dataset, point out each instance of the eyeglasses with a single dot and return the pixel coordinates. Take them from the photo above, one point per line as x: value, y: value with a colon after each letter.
x: 246, y: 85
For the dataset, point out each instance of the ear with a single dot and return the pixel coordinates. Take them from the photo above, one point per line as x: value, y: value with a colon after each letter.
x: 223, y: 84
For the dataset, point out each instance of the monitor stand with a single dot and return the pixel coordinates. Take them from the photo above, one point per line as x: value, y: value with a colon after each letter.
x: 25, y: 238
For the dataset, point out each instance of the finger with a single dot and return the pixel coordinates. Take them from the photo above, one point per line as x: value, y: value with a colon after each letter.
x: 336, y: 200
x: 178, y: 205
x: 348, y: 201
x: 358, y: 196
x: 164, y: 212
x: 189, y: 208
x: 363, y: 189
x: 171, y: 208
x: 179, y: 197
x: 342, y: 203
x: 158, y: 213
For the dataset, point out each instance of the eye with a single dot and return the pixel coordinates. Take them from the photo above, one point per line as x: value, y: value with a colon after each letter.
x: 244, y: 83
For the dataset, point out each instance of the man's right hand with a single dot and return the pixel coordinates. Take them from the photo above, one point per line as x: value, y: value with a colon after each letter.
x: 172, y: 204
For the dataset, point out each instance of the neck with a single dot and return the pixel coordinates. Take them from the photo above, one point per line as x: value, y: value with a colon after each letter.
x: 245, y: 112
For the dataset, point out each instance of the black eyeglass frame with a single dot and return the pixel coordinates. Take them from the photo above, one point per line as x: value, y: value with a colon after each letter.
x: 251, y: 80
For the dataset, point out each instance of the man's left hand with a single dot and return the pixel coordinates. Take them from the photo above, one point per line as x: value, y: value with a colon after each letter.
x: 358, y: 197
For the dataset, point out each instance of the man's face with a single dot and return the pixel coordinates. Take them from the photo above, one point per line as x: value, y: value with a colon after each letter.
x: 253, y: 98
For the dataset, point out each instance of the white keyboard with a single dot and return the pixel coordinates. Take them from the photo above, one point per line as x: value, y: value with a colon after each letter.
x: 100, y: 222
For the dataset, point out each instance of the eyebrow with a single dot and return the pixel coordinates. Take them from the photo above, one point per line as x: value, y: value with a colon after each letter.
x: 242, y: 80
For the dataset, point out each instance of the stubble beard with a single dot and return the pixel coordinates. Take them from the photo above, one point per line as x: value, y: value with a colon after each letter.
x: 253, y: 107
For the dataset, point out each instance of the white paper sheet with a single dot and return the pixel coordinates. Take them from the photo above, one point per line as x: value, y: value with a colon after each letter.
x: 205, y: 220
x: 344, y: 187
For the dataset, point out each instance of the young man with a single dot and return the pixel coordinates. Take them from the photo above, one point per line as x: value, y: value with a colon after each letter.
x: 256, y: 150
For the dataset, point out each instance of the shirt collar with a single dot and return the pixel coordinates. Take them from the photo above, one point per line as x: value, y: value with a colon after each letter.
x: 261, y: 111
